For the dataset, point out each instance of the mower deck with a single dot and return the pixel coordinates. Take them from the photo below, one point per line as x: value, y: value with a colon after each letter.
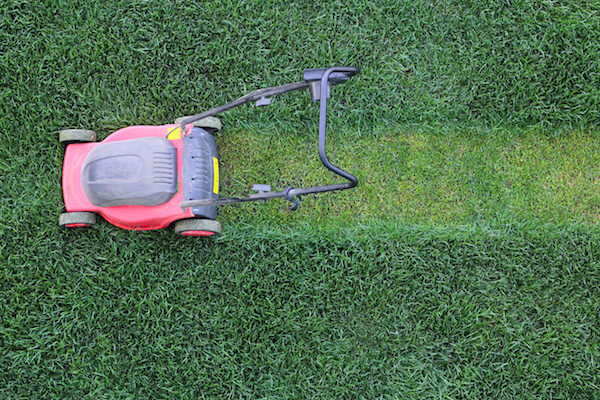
x: 132, y: 217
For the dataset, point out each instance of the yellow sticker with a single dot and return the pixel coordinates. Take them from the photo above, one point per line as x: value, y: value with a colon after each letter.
x: 216, y: 175
x: 174, y: 133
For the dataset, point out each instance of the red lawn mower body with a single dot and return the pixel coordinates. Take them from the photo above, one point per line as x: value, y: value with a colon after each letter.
x: 130, y: 217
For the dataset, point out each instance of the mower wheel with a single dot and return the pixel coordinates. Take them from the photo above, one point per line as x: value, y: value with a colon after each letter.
x: 68, y: 136
x: 212, y: 123
x: 77, y: 219
x: 197, y: 227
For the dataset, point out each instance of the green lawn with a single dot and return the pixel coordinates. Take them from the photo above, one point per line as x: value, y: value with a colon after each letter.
x: 466, y: 264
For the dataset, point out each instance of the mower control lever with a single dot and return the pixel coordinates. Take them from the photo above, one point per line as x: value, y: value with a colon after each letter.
x: 261, y: 188
x: 263, y: 101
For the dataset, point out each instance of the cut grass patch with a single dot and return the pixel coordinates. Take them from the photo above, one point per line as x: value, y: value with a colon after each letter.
x: 421, y: 177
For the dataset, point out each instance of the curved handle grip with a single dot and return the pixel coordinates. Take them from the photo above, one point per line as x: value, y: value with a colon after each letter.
x: 349, y: 72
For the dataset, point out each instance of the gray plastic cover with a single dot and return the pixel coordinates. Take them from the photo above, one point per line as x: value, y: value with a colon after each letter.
x: 198, y: 176
x: 137, y: 172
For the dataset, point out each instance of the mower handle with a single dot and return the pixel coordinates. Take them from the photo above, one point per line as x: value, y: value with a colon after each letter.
x: 349, y: 72
x: 257, y: 95
x: 318, y: 80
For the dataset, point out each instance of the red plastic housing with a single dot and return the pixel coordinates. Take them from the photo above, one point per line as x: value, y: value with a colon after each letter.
x: 127, y: 217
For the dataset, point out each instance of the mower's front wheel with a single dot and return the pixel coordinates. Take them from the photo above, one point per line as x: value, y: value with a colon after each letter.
x: 212, y: 123
x: 197, y: 227
x: 68, y: 136
x: 77, y: 219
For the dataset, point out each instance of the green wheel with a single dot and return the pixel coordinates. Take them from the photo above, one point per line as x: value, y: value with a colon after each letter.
x: 77, y: 219
x: 68, y: 136
x: 208, y: 122
x: 197, y: 227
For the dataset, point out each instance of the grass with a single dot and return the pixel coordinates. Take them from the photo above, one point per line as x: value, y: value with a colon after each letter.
x: 518, y: 63
x: 423, y: 177
x: 382, y: 310
x: 465, y: 265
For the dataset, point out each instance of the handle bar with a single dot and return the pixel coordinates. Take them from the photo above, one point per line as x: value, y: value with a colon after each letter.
x: 316, y: 79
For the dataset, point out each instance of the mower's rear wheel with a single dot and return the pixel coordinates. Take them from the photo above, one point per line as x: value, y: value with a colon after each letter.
x: 213, y: 123
x: 77, y: 219
x: 68, y: 136
x: 197, y: 227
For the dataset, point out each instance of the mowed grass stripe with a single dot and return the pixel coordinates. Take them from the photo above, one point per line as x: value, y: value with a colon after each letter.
x: 421, y: 177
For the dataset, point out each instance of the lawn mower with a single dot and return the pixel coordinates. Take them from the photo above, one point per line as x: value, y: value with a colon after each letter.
x: 149, y: 177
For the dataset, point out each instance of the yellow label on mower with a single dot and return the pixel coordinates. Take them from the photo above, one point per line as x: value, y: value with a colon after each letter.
x: 174, y: 134
x: 216, y: 175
